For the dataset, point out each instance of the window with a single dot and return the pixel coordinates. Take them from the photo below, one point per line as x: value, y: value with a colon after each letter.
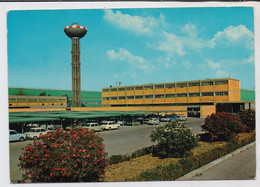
x: 43, y: 130
x: 207, y: 94
x: 170, y: 95
x: 121, y: 89
x: 105, y: 90
x: 159, y: 86
x: 139, y: 97
x: 194, y: 84
x: 130, y: 97
x: 13, y: 132
x: 170, y: 85
x: 129, y: 88
x: 207, y: 83
x: 194, y: 94
x: 159, y: 96
x: 113, y: 90
x: 181, y: 85
x: 148, y: 87
x: 182, y: 95
x: 113, y: 98
x: 221, y: 82
x: 221, y: 93
x: 148, y: 96
x: 139, y: 88
x: 105, y: 98
x: 121, y: 97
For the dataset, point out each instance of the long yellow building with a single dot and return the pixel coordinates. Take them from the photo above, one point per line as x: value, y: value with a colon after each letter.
x: 201, y: 91
x: 192, y: 94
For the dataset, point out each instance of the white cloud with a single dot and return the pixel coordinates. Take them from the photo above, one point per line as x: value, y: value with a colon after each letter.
x: 213, y: 65
x: 123, y: 55
x: 137, y: 24
x: 234, y: 35
x: 190, y: 29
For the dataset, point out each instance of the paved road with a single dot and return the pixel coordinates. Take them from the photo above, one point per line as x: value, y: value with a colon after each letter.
x: 241, y: 166
x: 124, y: 141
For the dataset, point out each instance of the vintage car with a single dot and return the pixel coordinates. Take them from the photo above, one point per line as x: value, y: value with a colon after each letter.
x: 14, y: 136
x: 109, y: 125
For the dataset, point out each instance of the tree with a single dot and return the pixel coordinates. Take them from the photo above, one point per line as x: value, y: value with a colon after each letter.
x: 43, y: 93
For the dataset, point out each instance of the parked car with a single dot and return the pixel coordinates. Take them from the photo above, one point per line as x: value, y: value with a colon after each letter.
x: 153, y: 121
x: 93, y: 126
x: 14, y: 136
x: 34, y: 133
x: 165, y: 118
x: 174, y: 118
x: 182, y: 117
x: 122, y: 123
x: 109, y: 125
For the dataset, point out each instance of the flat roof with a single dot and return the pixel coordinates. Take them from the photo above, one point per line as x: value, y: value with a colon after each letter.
x: 26, y: 117
x: 179, y: 82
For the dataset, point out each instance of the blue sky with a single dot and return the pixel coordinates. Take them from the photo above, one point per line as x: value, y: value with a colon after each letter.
x: 131, y: 46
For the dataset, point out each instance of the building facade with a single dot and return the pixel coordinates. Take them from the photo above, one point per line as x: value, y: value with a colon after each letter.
x: 27, y: 97
x: 174, y: 93
x: 200, y: 97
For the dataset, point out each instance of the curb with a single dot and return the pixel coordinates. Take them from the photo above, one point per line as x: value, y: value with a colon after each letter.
x: 196, y: 172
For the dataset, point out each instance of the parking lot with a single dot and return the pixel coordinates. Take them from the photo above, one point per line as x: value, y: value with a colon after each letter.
x: 123, y: 141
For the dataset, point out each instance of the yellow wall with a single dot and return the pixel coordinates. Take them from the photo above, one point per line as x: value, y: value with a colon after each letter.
x: 148, y: 91
x: 234, y: 96
x: 139, y: 101
x: 105, y: 94
x: 194, y: 99
x: 148, y: 101
x: 159, y: 100
x: 234, y: 85
x: 121, y: 101
x: 138, y: 92
x: 169, y: 100
x: 194, y: 89
x: 130, y: 101
x: 207, y: 88
x: 207, y: 110
x: 181, y: 99
x: 159, y: 91
x: 223, y: 87
x: 169, y: 90
x: 121, y: 93
x: 131, y: 92
x: 113, y: 94
x: 182, y: 90
x: 207, y: 99
x: 221, y: 98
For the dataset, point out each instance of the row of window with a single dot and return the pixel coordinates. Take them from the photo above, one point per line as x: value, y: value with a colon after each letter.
x: 168, y: 95
x: 180, y: 85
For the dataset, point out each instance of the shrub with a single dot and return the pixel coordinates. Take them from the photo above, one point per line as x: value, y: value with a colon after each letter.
x: 223, y: 126
x: 74, y: 156
x: 248, y: 118
x: 174, y: 140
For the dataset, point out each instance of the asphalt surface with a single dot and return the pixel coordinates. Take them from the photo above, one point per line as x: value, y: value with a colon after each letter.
x: 123, y: 141
x: 241, y: 166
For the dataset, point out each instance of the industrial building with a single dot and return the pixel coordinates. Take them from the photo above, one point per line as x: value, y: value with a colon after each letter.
x: 198, y: 98
x: 30, y: 98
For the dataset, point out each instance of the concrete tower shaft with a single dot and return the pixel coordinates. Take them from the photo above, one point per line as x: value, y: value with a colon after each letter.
x: 75, y: 64
x: 75, y: 32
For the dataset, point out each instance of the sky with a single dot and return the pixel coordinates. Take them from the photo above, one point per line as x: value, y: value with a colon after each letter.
x: 131, y: 46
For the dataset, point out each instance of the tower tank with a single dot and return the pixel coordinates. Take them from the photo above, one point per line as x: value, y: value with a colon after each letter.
x: 75, y: 32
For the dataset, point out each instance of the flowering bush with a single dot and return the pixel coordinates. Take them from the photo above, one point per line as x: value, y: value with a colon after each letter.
x: 248, y: 118
x: 62, y: 156
x: 174, y: 140
x: 223, y: 126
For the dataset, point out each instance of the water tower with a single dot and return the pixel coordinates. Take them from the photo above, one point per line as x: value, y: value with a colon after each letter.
x: 75, y: 32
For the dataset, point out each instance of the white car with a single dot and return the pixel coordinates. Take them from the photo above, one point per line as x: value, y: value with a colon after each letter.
x: 93, y: 126
x: 153, y: 121
x: 109, y: 125
x: 14, y: 136
x: 182, y: 117
x: 34, y: 133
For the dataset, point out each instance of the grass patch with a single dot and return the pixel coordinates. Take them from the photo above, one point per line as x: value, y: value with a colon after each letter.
x: 148, y: 167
